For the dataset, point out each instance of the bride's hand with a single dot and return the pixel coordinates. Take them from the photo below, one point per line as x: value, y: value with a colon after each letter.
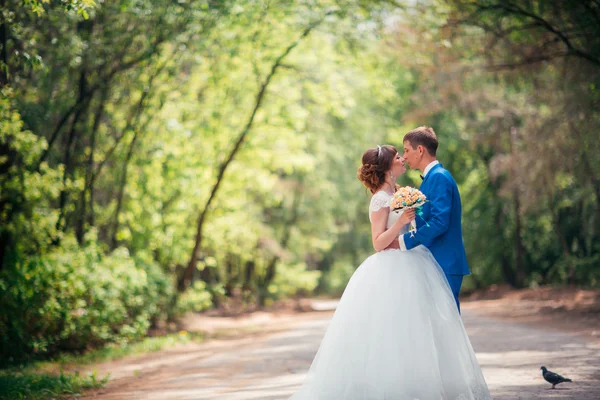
x: 407, y: 216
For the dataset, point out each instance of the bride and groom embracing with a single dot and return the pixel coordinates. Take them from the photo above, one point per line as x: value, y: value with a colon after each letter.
x: 397, y: 333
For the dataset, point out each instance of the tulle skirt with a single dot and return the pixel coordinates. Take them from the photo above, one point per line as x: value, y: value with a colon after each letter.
x: 396, y: 335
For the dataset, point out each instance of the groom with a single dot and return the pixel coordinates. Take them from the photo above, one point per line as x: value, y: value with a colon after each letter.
x: 442, y: 231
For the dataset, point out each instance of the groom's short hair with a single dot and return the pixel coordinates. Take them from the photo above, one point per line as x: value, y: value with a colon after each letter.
x: 423, y: 136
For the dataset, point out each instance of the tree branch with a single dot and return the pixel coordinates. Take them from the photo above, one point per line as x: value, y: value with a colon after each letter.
x: 121, y: 193
x: 186, y: 276
x: 512, y: 8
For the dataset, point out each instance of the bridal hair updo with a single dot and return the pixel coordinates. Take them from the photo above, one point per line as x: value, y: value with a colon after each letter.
x: 375, y: 165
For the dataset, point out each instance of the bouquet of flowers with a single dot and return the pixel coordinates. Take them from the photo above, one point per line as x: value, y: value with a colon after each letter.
x: 406, y: 198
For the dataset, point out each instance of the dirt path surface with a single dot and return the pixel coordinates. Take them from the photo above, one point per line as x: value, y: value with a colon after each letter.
x: 270, y: 357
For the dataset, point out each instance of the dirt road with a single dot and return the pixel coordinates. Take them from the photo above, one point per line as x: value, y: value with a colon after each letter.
x: 272, y: 366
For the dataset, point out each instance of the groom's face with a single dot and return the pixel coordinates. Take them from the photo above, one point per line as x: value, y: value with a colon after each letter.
x: 411, y: 155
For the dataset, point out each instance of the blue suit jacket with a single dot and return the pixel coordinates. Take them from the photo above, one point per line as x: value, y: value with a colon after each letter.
x: 443, y: 236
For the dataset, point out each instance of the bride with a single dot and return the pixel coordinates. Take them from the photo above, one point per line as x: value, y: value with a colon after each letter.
x: 396, y: 333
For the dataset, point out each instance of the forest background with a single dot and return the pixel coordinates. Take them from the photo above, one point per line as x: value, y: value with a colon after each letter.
x: 159, y: 157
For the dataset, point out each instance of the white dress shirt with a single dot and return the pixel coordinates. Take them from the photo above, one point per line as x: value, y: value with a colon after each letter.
x: 425, y: 172
x: 429, y: 166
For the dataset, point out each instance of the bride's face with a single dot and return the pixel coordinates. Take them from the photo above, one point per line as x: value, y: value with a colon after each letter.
x: 398, y: 167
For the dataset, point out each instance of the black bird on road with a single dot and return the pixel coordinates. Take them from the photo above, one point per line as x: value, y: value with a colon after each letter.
x: 553, y: 377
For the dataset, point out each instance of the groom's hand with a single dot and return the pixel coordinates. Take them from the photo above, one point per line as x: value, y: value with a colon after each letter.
x: 394, y: 245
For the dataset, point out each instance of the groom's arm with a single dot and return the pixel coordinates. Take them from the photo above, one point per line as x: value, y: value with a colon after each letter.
x: 439, y: 221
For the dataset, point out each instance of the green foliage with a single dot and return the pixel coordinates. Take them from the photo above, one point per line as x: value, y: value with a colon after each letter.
x: 113, y: 138
x: 511, y: 95
x: 337, y: 277
x: 26, y: 191
x: 293, y: 280
x: 196, y: 298
x: 74, y: 297
x: 80, y: 6
x: 18, y: 385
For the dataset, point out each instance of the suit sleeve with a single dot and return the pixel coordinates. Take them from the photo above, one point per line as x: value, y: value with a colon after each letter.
x: 439, y: 221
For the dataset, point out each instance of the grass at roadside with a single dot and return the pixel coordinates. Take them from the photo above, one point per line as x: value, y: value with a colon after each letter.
x: 22, y: 385
x: 52, y: 379
x: 115, y: 351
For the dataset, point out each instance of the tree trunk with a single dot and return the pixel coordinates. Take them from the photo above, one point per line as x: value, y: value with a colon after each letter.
x: 324, y: 266
x: 507, y: 272
x: 564, y: 245
x: 519, y: 265
x: 185, y: 278
x: 249, y: 269
x: 266, y: 281
x: 7, y: 206
x: 288, y: 225
x: 83, y: 217
x: 587, y: 164
x: 67, y: 161
x: 121, y: 192
x: 4, y: 50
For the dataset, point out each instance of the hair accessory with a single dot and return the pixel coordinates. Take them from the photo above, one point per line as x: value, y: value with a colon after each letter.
x: 378, y: 150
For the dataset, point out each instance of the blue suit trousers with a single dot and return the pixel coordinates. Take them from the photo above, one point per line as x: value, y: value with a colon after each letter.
x: 455, y: 282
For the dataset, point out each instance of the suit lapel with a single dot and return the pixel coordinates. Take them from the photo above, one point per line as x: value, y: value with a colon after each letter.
x: 426, y: 191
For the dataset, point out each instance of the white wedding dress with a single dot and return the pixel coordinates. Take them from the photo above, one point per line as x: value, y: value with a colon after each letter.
x: 396, y: 334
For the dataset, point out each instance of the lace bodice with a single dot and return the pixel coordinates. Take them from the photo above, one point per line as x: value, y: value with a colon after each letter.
x: 382, y: 199
x: 378, y: 201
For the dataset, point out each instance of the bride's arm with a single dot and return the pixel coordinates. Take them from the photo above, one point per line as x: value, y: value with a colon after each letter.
x: 381, y: 236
